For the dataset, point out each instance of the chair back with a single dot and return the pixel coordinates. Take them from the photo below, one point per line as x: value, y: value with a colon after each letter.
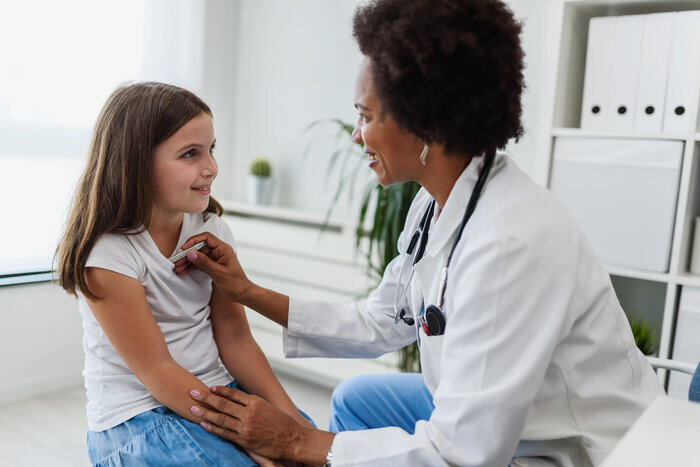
x: 694, y: 390
x: 687, y: 368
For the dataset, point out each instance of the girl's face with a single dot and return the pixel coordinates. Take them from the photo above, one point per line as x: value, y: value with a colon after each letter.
x: 393, y: 153
x: 184, y: 168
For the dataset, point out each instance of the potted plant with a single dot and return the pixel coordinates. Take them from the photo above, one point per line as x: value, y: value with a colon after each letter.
x: 259, y: 182
x: 644, y: 336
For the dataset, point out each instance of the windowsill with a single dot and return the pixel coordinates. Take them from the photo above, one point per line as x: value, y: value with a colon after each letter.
x: 26, y: 278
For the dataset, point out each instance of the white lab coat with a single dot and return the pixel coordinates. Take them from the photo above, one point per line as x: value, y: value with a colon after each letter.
x: 537, y: 362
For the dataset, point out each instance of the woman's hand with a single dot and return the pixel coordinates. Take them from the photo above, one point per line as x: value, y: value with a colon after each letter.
x: 217, y: 259
x: 255, y: 424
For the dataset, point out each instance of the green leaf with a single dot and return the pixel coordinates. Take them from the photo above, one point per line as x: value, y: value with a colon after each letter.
x: 644, y: 336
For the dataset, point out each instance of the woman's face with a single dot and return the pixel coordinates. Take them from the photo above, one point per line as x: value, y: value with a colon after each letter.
x: 393, y: 154
x: 184, y: 168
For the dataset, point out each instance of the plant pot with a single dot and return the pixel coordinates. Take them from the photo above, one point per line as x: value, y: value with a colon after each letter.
x: 259, y: 189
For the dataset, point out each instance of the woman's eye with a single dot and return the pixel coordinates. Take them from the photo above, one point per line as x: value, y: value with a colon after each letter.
x: 364, y: 118
x: 188, y: 154
x: 211, y: 149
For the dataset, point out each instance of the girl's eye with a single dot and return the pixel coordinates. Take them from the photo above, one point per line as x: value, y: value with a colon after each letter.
x: 211, y: 149
x: 188, y: 154
x: 364, y: 118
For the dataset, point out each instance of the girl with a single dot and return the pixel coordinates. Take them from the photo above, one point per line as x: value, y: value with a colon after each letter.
x: 150, y: 336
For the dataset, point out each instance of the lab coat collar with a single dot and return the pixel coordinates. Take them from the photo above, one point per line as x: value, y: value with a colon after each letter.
x: 442, y: 229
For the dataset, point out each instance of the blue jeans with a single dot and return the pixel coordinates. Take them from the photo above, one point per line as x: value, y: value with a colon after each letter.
x: 378, y: 401
x: 161, y: 437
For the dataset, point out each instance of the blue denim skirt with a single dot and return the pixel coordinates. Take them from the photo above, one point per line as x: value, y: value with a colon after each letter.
x: 160, y: 437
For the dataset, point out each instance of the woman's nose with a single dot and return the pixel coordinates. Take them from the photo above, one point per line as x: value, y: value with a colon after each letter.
x: 357, y: 133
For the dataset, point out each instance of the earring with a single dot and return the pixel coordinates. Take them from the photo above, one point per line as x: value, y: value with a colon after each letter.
x: 424, y: 154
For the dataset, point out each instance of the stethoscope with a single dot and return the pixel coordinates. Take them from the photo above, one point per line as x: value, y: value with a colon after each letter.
x: 432, y: 319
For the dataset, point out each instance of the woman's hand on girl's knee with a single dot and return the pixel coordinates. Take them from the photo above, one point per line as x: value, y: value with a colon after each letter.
x: 247, y: 420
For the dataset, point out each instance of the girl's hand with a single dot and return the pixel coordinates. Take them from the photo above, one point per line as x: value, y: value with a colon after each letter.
x: 263, y: 461
x: 217, y: 259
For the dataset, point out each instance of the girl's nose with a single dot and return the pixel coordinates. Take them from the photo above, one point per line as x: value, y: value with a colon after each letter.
x: 210, y: 168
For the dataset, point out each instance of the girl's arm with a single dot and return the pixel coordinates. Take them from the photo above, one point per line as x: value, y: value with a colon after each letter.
x: 242, y: 356
x: 127, y: 321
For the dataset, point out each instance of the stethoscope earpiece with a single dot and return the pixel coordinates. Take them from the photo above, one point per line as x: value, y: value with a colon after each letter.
x: 406, y: 319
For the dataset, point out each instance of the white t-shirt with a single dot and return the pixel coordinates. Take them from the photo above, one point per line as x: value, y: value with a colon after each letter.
x: 180, y: 305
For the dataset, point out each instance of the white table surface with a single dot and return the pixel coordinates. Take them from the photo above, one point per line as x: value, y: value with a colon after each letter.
x: 667, y: 434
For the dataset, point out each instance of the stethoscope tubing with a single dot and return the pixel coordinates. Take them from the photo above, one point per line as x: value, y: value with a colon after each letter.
x: 422, y: 232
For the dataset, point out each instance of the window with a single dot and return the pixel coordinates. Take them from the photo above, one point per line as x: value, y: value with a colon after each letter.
x: 60, y: 61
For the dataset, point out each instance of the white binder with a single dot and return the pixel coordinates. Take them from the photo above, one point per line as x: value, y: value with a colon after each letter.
x: 622, y: 194
x: 683, y: 89
x: 599, y: 64
x: 627, y: 54
x: 653, y: 72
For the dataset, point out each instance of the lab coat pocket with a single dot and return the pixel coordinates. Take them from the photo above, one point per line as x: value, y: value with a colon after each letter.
x: 430, y: 355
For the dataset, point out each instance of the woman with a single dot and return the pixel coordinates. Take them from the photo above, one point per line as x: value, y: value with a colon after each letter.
x: 527, y: 356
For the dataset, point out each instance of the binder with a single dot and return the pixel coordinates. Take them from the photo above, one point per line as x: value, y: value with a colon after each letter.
x: 682, y: 92
x: 653, y: 72
x: 622, y: 193
x: 598, y: 73
x: 627, y: 54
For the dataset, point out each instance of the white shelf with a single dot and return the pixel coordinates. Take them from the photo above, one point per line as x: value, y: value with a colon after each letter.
x: 638, y: 274
x: 656, y: 291
x: 279, y: 213
x: 579, y: 133
x: 685, y: 278
x: 689, y: 279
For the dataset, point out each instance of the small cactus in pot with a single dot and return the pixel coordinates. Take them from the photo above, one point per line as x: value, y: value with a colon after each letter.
x: 260, y: 167
x: 259, y: 183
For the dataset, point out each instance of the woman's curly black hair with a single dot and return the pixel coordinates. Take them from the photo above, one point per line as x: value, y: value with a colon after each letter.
x: 448, y: 71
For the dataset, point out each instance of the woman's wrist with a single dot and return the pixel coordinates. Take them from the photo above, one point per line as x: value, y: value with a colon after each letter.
x: 245, y: 295
x: 272, y: 305
x: 312, y: 446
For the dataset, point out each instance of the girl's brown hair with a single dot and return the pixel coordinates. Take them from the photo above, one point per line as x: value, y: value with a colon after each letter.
x: 115, y: 192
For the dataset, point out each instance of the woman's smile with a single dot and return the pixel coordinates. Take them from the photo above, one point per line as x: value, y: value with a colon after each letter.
x: 373, y: 158
x: 380, y: 134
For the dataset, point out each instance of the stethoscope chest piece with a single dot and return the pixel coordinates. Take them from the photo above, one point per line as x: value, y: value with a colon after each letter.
x: 433, y: 323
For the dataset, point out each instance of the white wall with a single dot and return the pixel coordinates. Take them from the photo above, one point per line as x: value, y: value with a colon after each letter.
x: 295, y: 63
x: 538, y: 18
x: 40, y: 341
x: 218, y: 84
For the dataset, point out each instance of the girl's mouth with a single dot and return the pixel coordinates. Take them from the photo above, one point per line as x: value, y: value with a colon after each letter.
x: 202, y: 190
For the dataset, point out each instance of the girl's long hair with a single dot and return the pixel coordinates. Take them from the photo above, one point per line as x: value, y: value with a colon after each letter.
x: 115, y: 193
